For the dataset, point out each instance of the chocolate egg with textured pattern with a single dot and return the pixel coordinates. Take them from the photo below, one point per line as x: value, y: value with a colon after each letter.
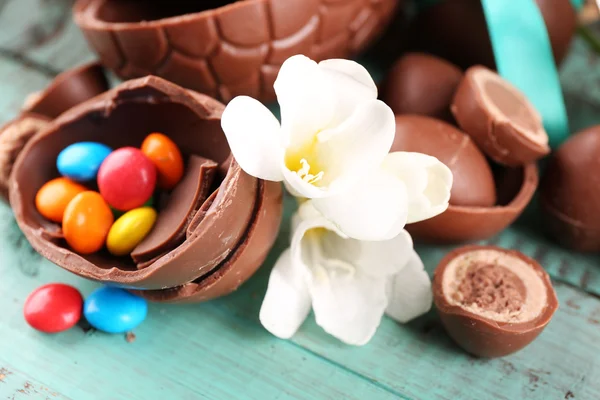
x: 226, y: 48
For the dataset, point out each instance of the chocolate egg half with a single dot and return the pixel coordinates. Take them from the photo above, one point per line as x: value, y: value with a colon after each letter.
x: 456, y: 30
x: 224, y: 236
x: 570, y: 192
x: 226, y: 48
x: 68, y: 89
x: 421, y: 84
x: 499, y: 118
x: 481, y: 204
x: 492, y: 301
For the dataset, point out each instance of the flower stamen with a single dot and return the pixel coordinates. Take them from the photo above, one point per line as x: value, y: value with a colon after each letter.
x: 306, y: 176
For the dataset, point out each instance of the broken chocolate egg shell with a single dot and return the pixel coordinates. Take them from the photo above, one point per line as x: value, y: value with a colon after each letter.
x: 68, y: 89
x: 492, y: 301
x: 482, y: 204
x: 122, y: 117
x: 226, y: 48
x: 499, y: 118
x: 569, y: 194
x: 421, y: 84
x: 456, y: 30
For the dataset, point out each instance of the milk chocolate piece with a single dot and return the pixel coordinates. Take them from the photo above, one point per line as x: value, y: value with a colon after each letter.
x: 66, y: 90
x: 172, y: 222
x: 241, y: 264
x: 570, y: 194
x: 456, y: 30
x: 499, y: 118
x: 492, y: 301
x: 226, y: 48
x: 467, y: 218
x: 124, y: 116
x: 473, y: 183
x: 421, y: 84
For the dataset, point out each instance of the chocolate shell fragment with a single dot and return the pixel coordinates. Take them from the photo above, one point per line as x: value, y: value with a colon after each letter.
x: 499, y: 118
x: 492, y: 301
x: 68, y: 89
x: 570, y: 194
x: 226, y: 48
x: 124, y: 116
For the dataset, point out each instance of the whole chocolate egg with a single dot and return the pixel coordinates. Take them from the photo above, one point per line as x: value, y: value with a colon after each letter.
x: 481, y: 203
x: 570, y: 192
x: 421, y: 84
x: 226, y: 48
x: 456, y: 30
x: 212, y: 231
x: 473, y: 183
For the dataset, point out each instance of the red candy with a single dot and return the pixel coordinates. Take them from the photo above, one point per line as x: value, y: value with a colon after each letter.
x: 53, y: 308
x: 126, y: 178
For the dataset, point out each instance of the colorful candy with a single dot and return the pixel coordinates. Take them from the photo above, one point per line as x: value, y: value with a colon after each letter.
x: 53, y: 308
x: 52, y: 198
x: 81, y: 161
x: 129, y: 230
x: 114, y: 310
x: 165, y: 155
x: 118, y: 213
x: 86, y: 222
x: 127, y: 178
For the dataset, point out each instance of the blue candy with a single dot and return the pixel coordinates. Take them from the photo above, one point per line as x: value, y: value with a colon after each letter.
x: 114, y: 310
x: 81, y: 161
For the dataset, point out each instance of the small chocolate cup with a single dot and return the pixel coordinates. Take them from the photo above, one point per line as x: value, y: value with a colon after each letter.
x: 492, y: 301
x: 221, y: 227
x: 226, y: 48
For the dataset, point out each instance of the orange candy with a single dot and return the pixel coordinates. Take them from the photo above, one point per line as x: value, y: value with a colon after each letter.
x: 165, y: 155
x: 52, y: 198
x: 86, y: 222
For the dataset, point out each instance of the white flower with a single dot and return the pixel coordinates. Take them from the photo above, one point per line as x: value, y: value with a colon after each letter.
x: 330, y: 146
x: 349, y: 284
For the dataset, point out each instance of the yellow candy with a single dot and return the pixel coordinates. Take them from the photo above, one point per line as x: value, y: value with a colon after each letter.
x: 129, y: 230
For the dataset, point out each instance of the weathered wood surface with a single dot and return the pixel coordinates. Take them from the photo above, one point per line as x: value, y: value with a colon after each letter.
x: 218, y: 350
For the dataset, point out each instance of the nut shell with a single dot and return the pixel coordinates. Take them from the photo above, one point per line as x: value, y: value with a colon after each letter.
x: 233, y: 48
x: 477, y: 333
x: 499, y: 118
x: 121, y: 117
x: 421, y: 84
x: 569, y: 195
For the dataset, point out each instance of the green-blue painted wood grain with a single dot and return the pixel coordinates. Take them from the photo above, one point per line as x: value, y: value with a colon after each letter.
x: 218, y: 349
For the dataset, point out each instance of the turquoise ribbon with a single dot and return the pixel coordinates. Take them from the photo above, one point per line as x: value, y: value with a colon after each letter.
x: 523, y: 55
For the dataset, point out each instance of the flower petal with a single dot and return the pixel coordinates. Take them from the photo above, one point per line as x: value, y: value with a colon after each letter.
x: 358, y: 146
x: 347, y: 304
x: 428, y: 183
x: 253, y: 134
x: 373, y: 258
x: 351, y: 83
x: 409, y: 291
x: 373, y: 209
x: 305, y: 98
x: 287, y: 301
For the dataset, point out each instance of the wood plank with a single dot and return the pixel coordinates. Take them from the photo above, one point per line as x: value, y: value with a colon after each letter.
x: 181, y: 352
x: 17, y: 385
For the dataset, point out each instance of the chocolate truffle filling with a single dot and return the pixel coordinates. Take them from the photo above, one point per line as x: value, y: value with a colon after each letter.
x: 497, y: 286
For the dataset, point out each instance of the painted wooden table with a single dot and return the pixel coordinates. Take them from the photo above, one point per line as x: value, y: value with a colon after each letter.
x: 218, y: 350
